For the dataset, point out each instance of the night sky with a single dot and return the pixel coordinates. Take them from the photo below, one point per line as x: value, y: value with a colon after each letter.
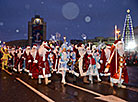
x: 70, y: 18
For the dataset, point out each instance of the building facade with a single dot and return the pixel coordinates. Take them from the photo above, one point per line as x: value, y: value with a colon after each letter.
x: 136, y: 37
x: 36, y: 30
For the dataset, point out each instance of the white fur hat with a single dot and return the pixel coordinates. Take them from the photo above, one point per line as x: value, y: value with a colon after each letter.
x: 34, y: 46
x: 93, y: 46
x: 28, y: 47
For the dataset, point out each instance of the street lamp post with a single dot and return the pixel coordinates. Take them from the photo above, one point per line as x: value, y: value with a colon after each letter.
x: 117, y: 33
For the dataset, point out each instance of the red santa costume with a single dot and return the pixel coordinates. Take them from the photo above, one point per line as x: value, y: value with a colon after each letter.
x: 26, y: 56
x: 19, y: 60
x: 91, y: 63
x: 117, y: 65
x: 105, y: 54
x: 44, y: 70
x: 34, y: 57
x: 83, y: 62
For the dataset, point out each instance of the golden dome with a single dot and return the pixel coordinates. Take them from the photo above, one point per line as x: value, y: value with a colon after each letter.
x: 128, y: 11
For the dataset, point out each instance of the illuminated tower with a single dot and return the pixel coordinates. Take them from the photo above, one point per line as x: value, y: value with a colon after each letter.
x: 36, y: 30
x: 128, y: 33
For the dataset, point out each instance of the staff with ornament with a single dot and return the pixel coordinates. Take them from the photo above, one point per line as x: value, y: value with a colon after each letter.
x: 117, y: 65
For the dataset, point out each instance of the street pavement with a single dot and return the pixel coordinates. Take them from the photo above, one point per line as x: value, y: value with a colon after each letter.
x: 21, y: 88
x: 133, y: 76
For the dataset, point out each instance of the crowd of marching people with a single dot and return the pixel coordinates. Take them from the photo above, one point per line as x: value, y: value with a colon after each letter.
x: 132, y: 58
x: 80, y: 60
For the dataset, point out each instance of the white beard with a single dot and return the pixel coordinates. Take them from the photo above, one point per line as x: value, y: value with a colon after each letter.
x: 42, y: 51
x: 107, y: 53
x: 27, y: 52
x: 33, y: 53
x: 82, y: 51
x: 19, y: 54
x: 121, y: 52
x: 88, y: 52
x: 12, y: 52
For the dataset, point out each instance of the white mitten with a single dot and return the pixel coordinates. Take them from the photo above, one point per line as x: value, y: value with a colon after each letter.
x: 106, y: 64
x: 101, y: 61
x: 121, y: 64
x: 35, y: 61
x: 106, y: 70
x: 29, y: 60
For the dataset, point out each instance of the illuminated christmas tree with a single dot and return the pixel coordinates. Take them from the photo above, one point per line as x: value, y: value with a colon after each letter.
x: 128, y: 33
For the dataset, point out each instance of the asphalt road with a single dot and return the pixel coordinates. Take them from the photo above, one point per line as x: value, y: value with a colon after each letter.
x: 21, y: 88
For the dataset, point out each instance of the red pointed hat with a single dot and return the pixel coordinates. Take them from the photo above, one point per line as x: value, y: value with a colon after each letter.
x: 20, y: 48
x: 44, y: 43
x: 13, y: 48
x: 81, y: 45
x: 34, y: 46
x: 115, y: 44
x: 108, y: 46
x: 28, y: 46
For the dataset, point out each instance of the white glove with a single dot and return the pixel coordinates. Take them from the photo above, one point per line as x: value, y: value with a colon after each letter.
x: 35, y: 61
x: 106, y: 70
x: 106, y: 64
x: 101, y: 61
x: 121, y: 59
x: 121, y: 64
x: 29, y: 60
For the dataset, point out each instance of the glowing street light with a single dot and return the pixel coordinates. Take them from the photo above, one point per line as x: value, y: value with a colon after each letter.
x: 64, y: 38
x: 131, y: 45
x: 117, y: 33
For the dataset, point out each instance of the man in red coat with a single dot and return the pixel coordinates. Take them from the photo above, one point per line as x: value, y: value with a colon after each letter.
x: 91, y: 63
x: 19, y: 60
x: 105, y: 54
x: 34, y: 57
x: 44, y: 70
x: 83, y: 61
x: 117, y: 65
